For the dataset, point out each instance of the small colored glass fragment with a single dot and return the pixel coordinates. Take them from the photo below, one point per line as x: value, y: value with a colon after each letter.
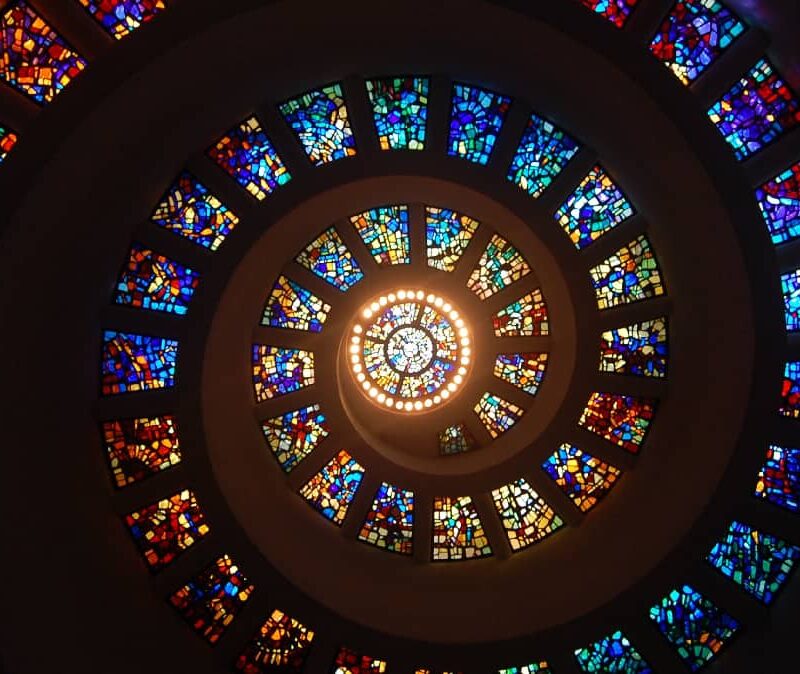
x: 696, y: 628
x: 790, y: 284
x: 141, y: 447
x: 154, y: 282
x: 457, y: 530
x: 384, y: 232
x: 278, y: 370
x: 390, y: 521
x: 328, y: 257
x: 523, y: 370
x: 496, y: 414
x: 613, y: 653
x: 501, y: 264
x: 213, y: 598
x: 400, y: 111
x: 319, y: 119
x: 247, y: 155
x: 447, y: 236
x: 790, y: 390
x: 525, y: 317
x: 543, y: 152
x: 136, y: 362
x: 779, y: 477
x: 779, y: 201
x: 349, y: 662
x: 166, y: 528
x: 581, y: 476
x: 756, y: 111
x: 623, y: 420
x: 293, y: 307
x: 191, y: 211
x: 294, y: 435
x: 595, y: 207
x: 455, y: 439
x: 526, y: 516
x: 639, y: 349
x: 761, y: 563
x: 8, y: 139
x: 34, y: 59
x: 332, y: 489
x: 280, y: 645
x: 533, y: 668
x: 693, y: 35
x: 629, y: 275
x: 122, y: 17
x: 476, y: 117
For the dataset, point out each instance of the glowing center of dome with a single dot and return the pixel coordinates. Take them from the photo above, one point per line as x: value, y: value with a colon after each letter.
x: 411, y: 353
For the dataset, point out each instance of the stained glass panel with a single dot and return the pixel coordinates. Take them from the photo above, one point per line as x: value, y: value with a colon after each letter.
x: 533, y: 668
x: 455, y: 439
x: 384, y: 232
x: 581, y: 476
x: 122, y: 17
x: 139, y: 448
x: 525, y: 317
x: 790, y: 284
x: 476, y: 117
x: 447, y: 236
x: 525, y: 515
x: 612, y: 654
x: 457, y: 530
x: 278, y: 370
x: 496, y: 414
x: 8, y: 139
x: 329, y: 258
x: 543, y: 152
x: 623, y: 420
x: 166, y: 528
x: 293, y: 307
x: 500, y: 265
x: 629, y: 275
x: 281, y: 645
x: 400, y: 111
x: 779, y: 201
x: 757, y: 110
x: 779, y: 477
x: 332, y: 489
x: 247, y: 155
x: 136, y: 362
x: 294, y: 435
x: 523, y: 370
x: 321, y: 123
x: 639, y: 349
x: 350, y: 662
x: 790, y: 390
x: 390, y: 521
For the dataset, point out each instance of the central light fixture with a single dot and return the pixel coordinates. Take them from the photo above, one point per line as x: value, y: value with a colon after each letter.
x: 409, y: 350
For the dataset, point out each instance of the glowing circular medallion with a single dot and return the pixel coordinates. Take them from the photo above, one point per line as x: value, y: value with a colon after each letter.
x: 411, y: 352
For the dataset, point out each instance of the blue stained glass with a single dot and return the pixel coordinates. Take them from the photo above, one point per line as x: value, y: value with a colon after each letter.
x: 615, y: 11
x: 133, y: 362
x: 279, y: 370
x: 400, y: 110
x: 613, y: 654
x: 330, y: 259
x: 790, y: 284
x: 333, y: 489
x: 779, y: 201
x: 779, y: 477
x: 476, y: 117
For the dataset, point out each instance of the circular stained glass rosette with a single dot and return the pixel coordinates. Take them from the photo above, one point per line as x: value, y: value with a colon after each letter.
x: 410, y: 351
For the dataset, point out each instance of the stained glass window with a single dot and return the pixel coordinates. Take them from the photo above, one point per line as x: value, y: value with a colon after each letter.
x: 696, y: 627
x: 332, y: 489
x: 349, y: 662
x: 281, y: 645
x: 476, y: 117
x: 525, y: 317
x: 457, y: 530
x: 294, y: 435
x: 213, y: 598
x: 779, y: 477
x: 525, y: 515
x: 639, y: 349
x: 455, y: 439
x: 34, y: 59
x: 496, y: 414
x: 790, y: 390
x: 329, y: 258
x: 400, y: 110
x: 500, y: 265
x: 779, y: 201
x: 8, y: 139
x: 152, y: 281
x: 137, y: 362
x: 122, y: 17
x: 390, y: 520
x: 384, y: 231
x: 613, y: 653
x: 790, y: 283
x: 543, y: 152
x: 595, y: 207
x: 533, y: 668
x: 139, y: 448
x: 759, y: 108
x: 293, y: 307
x: 247, y: 155
x: 191, y: 211
x: 320, y: 120
x: 581, y: 476
x: 447, y: 235
x: 278, y: 370
x: 759, y: 562
x: 166, y: 528
x: 629, y: 275
x: 623, y: 420
x: 693, y: 36
x: 523, y: 370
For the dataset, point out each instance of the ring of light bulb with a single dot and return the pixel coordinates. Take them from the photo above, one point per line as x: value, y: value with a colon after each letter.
x: 405, y: 338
